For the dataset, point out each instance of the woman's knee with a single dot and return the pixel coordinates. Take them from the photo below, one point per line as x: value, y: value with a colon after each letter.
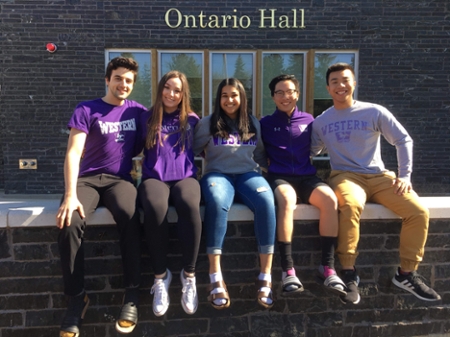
x: 186, y: 202
x: 124, y: 215
x: 264, y: 198
x: 217, y: 197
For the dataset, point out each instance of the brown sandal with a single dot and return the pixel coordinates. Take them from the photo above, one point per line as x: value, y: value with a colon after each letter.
x: 268, y: 294
x: 223, y: 295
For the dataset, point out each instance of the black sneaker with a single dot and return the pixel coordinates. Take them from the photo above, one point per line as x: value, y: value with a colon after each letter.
x: 76, y: 309
x: 351, y: 280
x: 414, y: 283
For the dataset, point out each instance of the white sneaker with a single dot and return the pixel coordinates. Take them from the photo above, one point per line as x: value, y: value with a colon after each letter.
x: 161, y: 299
x: 189, y: 298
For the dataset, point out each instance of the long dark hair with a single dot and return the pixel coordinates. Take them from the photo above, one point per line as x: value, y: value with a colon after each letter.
x: 219, y: 125
x: 155, y: 121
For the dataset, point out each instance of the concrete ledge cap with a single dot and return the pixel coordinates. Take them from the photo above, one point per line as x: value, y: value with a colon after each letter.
x: 36, y: 211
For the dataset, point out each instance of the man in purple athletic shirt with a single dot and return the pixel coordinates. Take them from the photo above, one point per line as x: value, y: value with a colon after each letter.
x: 102, y: 143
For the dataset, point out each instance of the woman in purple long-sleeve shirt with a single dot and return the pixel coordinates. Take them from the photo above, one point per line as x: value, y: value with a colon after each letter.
x: 169, y: 177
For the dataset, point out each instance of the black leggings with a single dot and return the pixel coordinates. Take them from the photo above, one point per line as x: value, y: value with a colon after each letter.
x: 119, y: 197
x: 154, y: 196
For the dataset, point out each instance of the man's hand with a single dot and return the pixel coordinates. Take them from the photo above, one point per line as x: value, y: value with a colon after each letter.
x: 75, y: 150
x: 64, y: 215
x: 401, y: 186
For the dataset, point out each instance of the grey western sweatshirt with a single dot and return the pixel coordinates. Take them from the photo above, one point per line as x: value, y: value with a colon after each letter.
x: 232, y: 155
x: 352, y: 138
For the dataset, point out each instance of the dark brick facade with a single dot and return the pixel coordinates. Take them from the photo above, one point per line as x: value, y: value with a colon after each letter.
x: 32, y: 302
x: 403, y: 52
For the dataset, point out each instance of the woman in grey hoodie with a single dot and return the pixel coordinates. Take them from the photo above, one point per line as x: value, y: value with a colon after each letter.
x: 230, y: 141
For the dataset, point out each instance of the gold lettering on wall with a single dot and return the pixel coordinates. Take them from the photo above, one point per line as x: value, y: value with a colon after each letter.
x: 179, y: 17
x: 264, y: 18
x: 269, y: 18
x: 283, y: 21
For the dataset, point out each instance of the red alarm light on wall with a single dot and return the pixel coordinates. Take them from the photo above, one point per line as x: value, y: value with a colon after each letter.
x: 51, y: 47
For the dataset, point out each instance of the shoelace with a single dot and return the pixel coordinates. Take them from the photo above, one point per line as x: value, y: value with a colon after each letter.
x: 188, y: 289
x: 417, y: 278
x: 160, y: 292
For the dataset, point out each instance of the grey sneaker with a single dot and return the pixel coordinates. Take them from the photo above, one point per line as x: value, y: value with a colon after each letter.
x: 160, y: 290
x: 351, y: 280
x: 189, y: 298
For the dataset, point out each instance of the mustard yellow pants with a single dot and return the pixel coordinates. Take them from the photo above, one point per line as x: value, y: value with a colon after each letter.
x: 353, y: 190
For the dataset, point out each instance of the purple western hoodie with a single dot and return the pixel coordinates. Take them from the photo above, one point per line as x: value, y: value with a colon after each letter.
x: 167, y: 162
x: 287, y: 141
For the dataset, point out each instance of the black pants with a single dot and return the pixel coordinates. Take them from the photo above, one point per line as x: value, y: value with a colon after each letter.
x: 119, y: 197
x: 154, y: 196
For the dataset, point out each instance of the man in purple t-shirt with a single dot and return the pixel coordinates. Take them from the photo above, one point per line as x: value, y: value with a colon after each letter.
x: 102, y: 143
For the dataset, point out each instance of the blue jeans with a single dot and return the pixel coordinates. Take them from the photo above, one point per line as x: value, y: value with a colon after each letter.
x: 219, y: 191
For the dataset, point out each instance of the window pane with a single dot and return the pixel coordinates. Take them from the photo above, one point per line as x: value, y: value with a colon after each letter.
x: 275, y: 64
x: 237, y: 65
x: 191, y: 64
x: 322, y: 99
x: 142, y: 88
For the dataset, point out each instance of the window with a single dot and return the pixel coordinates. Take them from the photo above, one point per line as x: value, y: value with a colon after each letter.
x: 142, y: 88
x: 274, y: 64
x: 205, y: 69
x: 322, y: 61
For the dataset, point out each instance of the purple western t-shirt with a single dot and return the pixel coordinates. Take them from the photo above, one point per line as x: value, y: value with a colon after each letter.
x: 111, y: 136
x: 167, y: 162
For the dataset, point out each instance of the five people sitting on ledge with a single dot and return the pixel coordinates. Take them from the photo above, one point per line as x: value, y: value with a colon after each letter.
x: 264, y: 164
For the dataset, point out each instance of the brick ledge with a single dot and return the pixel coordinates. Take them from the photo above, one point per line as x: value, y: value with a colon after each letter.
x: 36, y: 212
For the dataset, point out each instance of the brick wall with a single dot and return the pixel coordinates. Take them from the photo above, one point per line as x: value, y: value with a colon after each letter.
x: 32, y: 303
x: 403, y: 64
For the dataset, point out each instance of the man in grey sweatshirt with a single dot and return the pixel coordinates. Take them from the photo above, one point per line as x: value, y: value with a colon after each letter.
x: 350, y: 131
